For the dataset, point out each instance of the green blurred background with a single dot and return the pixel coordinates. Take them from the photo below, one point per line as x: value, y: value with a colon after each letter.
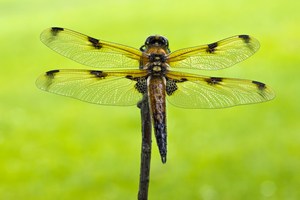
x: 52, y: 147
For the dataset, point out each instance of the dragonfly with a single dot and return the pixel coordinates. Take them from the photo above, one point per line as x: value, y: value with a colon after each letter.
x: 151, y: 70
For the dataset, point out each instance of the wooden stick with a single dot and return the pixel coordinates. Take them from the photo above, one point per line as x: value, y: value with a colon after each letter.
x: 145, y: 149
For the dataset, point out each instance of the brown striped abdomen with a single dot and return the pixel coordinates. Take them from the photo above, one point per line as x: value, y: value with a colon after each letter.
x: 157, y: 102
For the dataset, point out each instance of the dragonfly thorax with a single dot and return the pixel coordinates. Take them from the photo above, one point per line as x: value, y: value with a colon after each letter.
x: 155, y: 57
x: 157, y: 68
x: 156, y: 63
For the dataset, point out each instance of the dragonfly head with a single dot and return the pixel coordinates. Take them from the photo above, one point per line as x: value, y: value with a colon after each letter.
x: 156, y: 41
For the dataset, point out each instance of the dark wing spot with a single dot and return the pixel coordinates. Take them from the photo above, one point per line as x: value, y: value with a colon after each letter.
x: 55, y: 30
x: 98, y: 74
x: 182, y: 80
x: 52, y: 73
x: 260, y: 86
x: 129, y: 77
x: 213, y: 80
x: 246, y: 38
x: 211, y: 47
x: 95, y: 42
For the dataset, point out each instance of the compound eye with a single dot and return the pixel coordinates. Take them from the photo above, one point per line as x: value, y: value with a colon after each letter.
x: 156, y: 40
x: 164, y: 41
x: 149, y: 40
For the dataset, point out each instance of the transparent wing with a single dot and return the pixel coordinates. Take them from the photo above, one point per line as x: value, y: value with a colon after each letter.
x: 106, y: 88
x: 90, y: 51
x: 214, y: 56
x: 193, y: 91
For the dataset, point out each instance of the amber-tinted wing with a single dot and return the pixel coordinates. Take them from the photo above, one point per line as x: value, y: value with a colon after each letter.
x: 193, y: 91
x: 106, y: 88
x: 214, y: 56
x: 90, y: 51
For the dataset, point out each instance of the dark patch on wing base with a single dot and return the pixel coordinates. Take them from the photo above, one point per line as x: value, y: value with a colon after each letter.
x: 213, y: 80
x: 141, y: 83
x: 246, y: 38
x: 98, y: 74
x: 171, y: 85
x: 211, y: 47
x: 260, y: 86
x: 52, y: 73
x: 95, y: 42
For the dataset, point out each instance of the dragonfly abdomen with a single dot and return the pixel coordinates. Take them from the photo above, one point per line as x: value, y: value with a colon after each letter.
x: 157, y: 102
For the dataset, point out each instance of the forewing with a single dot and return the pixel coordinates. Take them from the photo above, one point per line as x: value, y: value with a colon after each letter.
x: 105, y: 88
x: 193, y: 91
x: 90, y: 51
x: 214, y: 56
